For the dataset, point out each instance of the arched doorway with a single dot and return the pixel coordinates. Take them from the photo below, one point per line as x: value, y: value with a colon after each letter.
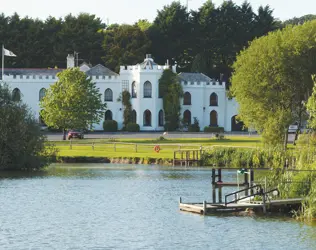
x: 16, y: 95
x: 108, y: 115
x: 187, y: 117
x: 134, y: 116
x: 237, y: 125
x: 147, y: 118
x: 213, y: 119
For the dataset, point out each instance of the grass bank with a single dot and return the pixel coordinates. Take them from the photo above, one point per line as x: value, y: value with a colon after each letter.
x: 143, y: 149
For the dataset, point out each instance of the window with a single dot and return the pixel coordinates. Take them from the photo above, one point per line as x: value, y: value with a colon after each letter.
x: 147, y: 118
x: 187, y: 117
x: 213, y: 100
x: 124, y: 85
x: 108, y: 115
x: 147, y: 90
x: 187, y: 98
x: 134, y: 116
x: 160, y: 118
x: 213, y: 119
x: 108, y: 95
x: 42, y: 93
x: 134, y: 93
x: 16, y: 95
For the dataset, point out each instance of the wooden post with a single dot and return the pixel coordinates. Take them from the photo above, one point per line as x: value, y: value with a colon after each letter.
x: 114, y: 146
x: 252, y: 174
x: 214, y: 194
x: 204, y: 207
x: 92, y: 145
x: 135, y: 147
x: 174, y: 158
x: 264, y: 208
x: 220, y: 194
x: 180, y: 201
x: 213, y: 176
x: 219, y: 175
x: 70, y: 146
x: 246, y: 183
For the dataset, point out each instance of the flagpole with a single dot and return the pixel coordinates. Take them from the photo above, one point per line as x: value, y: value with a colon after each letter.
x: 2, y: 62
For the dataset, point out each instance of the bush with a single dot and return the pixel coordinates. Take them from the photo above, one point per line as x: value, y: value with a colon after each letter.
x: 132, y: 127
x: 161, y: 138
x: 110, y: 126
x: 195, y: 127
x: 213, y: 129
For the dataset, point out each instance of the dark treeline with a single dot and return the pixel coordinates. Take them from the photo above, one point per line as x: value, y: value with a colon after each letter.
x: 206, y: 40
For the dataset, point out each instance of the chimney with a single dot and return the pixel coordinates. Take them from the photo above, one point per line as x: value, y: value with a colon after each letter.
x: 70, y: 61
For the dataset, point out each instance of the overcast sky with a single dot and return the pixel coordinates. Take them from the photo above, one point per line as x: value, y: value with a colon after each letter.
x: 129, y: 11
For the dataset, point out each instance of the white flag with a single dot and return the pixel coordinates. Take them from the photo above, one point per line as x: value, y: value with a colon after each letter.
x: 8, y: 52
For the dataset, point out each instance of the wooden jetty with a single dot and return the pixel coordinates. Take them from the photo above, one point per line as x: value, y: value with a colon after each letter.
x: 239, y: 200
x: 210, y: 208
x: 189, y: 157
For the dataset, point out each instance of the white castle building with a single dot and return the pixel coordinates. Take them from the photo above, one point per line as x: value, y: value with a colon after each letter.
x: 204, y: 98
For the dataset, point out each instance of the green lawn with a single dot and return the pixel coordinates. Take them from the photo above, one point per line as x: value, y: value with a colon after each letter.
x: 145, y: 147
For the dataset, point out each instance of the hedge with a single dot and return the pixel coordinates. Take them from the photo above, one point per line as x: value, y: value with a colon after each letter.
x: 213, y: 129
x: 132, y: 127
x: 110, y: 126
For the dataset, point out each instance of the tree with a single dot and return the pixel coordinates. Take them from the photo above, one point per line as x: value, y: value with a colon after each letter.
x: 22, y: 145
x: 124, y: 45
x: 73, y: 102
x: 171, y: 91
x: 299, y: 20
x: 127, y: 113
x: 311, y: 107
x: 272, y: 78
x: 171, y: 34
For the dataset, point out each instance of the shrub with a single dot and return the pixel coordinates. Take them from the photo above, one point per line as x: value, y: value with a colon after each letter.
x: 110, y: 126
x: 213, y: 129
x: 195, y: 127
x: 161, y: 138
x: 132, y: 127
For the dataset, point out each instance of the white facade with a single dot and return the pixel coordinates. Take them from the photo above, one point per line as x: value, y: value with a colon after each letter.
x: 141, y: 81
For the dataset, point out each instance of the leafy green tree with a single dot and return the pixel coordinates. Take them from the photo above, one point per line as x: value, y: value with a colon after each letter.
x: 171, y: 34
x: 73, y: 102
x: 299, y: 20
x: 124, y: 45
x: 311, y: 107
x: 272, y: 79
x: 171, y: 91
x: 22, y: 145
x: 143, y: 24
x: 127, y: 113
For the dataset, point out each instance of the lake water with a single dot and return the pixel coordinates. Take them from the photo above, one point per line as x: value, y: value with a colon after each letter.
x: 129, y: 207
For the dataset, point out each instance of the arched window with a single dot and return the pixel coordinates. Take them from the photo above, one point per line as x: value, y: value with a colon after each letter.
x: 213, y: 100
x: 187, y: 117
x: 134, y: 93
x: 147, y: 118
x: 108, y: 95
x: 213, y: 119
x: 16, y: 95
x: 134, y: 116
x: 187, y: 98
x: 42, y: 93
x: 160, y: 118
x: 147, y: 90
x: 108, y: 115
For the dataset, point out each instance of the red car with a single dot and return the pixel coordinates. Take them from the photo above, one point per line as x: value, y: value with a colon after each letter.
x: 75, y: 134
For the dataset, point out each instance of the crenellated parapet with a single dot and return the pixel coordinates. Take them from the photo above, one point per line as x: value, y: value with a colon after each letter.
x: 104, y: 78
x: 139, y: 68
x: 32, y: 78
x: 212, y: 84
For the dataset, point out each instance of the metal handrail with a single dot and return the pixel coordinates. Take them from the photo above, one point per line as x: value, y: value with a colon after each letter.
x: 260, y: 192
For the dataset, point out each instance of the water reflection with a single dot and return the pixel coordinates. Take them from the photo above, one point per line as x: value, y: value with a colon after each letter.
x: 129, y: 207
